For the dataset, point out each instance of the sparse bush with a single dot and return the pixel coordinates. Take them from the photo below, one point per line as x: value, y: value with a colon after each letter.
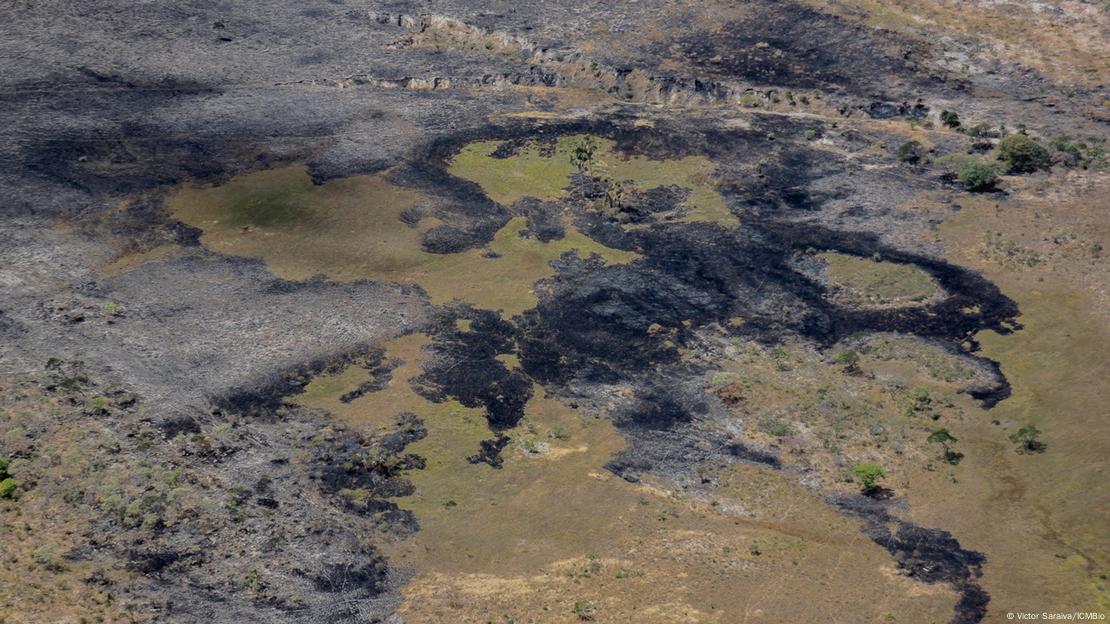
x: 585, y: 610
x: 8, y: 486
x: 850, y: 360
x: 582, y: 156
x: 750, y: 101
x: 1073, y: 153
x: 529, y: 446
x: 1022, y: 153
x: 943, y: 437
x: 867, y: 474
x: 1028, y: 440
x: 911, y: 152
x: 920, y: 403
x: 950, y: 118
x: 977, y: 175
x: 558, y: 432
x: 983, y: 131
x: 777, y: 428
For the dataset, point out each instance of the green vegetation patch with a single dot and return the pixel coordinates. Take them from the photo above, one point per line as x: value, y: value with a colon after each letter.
x: 532, y: 171
x: 543, y: 172
x: 866, y: 282
x: 351, y: 229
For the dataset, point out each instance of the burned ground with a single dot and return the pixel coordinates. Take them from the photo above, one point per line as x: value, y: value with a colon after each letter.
x: 799, y: 48
x: 189, y: 482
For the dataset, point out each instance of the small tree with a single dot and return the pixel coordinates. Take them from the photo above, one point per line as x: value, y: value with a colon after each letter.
x: 850, y: 360
x: 867, y: 474
x: 950, y: 118
x: 943, y: 437
x: 1022, y: 153
x: 1027, y: 439
x: 582, y: 156
x: 977, y: 175
x: 911, y: 152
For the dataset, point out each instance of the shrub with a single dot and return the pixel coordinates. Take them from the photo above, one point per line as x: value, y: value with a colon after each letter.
x: 1075, y: 153
x: 585, y: 610
x: 775, y: 427
x: 950, y: 118
x: 1027, y: 439
x: 943, y: 437
x: 867, y: 474
x: 1022, y: 153
x: 850, y: 360
x: 983, y: 131
x: 911, y: 152
x: 7, y: 483
x: 977, y: 175
x: 582, y: 156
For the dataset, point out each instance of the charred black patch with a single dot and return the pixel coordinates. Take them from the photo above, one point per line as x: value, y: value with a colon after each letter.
x: 408, y: 429
x: 179, y: 424
x: 886, y: 110
x: 790, y: 45
x: 746, y: 453
x: 465, y: 366
x: 380, y: 372
x: 152, y: 561
x: 360, y: 475
x: 489, y: 451
x: 656, y: 407
x: 545, y: 219
x: 929, y: 555
x: 263, y: 398
x: 370, y: 578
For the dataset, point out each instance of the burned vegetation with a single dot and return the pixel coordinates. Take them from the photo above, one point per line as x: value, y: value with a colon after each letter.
x: 484, y: 305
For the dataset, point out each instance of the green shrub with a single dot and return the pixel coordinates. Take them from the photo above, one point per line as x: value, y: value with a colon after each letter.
x: 775, y: 427
x: 944, y: 438
x: 850, y: 360
x: 911, y: 152
x: 1028, y: 439
x: 585, y: 610
x: 7, y: 483
x: 1078, y: 154
x: 950, y: 118
x: 978, y: 175
x: 867, y: 474
x: 983, y: 131
x: 582, y: 156
x: 1022, y: 153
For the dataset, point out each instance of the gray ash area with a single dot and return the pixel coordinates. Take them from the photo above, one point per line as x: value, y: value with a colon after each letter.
x: 185, y: 363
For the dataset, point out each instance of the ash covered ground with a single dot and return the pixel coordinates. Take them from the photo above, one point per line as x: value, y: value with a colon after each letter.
x: 620, y: 213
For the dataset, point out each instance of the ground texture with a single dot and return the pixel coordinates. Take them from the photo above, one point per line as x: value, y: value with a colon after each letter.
x: 554, y: 312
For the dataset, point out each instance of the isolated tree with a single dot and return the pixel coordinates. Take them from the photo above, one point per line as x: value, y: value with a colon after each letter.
x: 978, y: 175
x: 582, y: 155
x: 1027, y: 439
x: 867, y: 474
x: 944, y: 438
x: 950, y: 118
x: 1022, y: 153
x: 850, y: 360
x: 911, y: 152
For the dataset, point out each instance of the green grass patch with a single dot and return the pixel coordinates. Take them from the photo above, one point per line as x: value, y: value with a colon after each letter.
x: 866, y: 282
